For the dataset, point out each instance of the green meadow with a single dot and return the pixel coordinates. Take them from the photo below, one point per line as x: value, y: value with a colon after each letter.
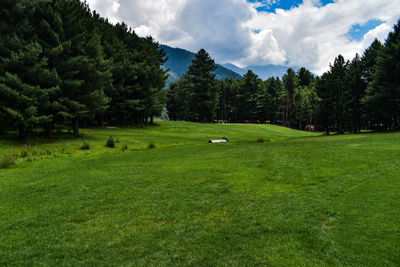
x: 272, y: 196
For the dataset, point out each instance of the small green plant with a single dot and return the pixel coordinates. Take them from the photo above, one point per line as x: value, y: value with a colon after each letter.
x: 117, y: 141
x: 35, y: 152
x: 24, y: 151
x: 85, y: 146
x: 151, y: 145
x: 124, y: 147
x: 7, y: 161
x: 110, y: 142
x: 260, y: 140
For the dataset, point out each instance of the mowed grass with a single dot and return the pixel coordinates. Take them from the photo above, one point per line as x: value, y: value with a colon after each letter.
x: 297, y: 199
x: 167, y: 134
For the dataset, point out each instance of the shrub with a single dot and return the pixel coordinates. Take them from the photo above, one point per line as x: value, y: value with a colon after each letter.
x: 7, y: 161
x: 24, y: 151
x: 260, y: 140
x: 85, y: 146
x: 152, y: 145
x: 110, y: 142
x: 124, y: 147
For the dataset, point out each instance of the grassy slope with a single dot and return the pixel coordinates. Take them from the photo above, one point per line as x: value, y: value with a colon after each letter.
x: 299, y: 201
x: 169, y: 134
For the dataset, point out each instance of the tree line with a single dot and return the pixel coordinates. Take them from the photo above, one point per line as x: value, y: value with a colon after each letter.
x: 62, y: 65
x: 353, y: 95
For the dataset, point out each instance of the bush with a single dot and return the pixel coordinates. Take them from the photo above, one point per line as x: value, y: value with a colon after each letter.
x: 124, y: 147
x: 260, y: 140
x: 7, y: 161
x: 85, y: 146
x: 152, y: 145
x: 110, y: 142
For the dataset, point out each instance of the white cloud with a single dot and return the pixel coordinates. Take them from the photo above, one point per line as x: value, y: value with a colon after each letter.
x: 309, y: 35
x: 106, y: 8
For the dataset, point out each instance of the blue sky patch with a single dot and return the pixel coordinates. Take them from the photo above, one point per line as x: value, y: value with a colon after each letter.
x: 272, y: 5
x: 358, y: 31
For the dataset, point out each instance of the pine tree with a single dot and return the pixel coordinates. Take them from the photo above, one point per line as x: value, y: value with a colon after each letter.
x: 249, y: 93
x: 331, y: 90
x: 355, y: 92
x: 384, y: 91
x: 83, y: 70
x: 203, y: 92
x: 276, y: 92
x: 25, y: 80
x: 305, y: 77
x: 290, y: 83
x: 178, y: 105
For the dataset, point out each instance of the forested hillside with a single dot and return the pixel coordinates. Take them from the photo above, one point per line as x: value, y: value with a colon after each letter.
x: 180, y: 59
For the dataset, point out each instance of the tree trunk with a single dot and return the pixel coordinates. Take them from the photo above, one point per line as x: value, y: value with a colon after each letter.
x: 21, y: 132
x: 49, y: 130
x: 76, y: 128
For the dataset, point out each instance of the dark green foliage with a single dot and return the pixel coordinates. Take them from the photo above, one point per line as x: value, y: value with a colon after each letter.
x: 62, y: 65
x: 249, y: 95
x: 178, y: 100
x: 110, y: 142
x: 151, y: 145
x: 356, y: 86
x: 383, y: 91
x: 260, y: 140
x: 201, y: 87
x: 25, y: 79
x: 85, y: 146
x: 290, y: 82
x: 124, y: 147
x: 7, y: 161
x: 194, y: 97
x: 331, y: 90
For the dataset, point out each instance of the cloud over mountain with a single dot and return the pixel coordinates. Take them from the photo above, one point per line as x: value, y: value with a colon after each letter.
x: 309, y: 34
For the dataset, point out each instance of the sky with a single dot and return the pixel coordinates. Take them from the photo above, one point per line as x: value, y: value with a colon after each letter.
x: 306, y: 33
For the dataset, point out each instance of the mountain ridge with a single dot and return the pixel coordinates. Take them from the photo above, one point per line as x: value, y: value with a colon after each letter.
x: 180, y: 59
x: 263, y: 71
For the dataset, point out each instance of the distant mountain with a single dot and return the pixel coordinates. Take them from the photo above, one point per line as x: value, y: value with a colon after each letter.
x: 180, y: 59
x: 264, y: 72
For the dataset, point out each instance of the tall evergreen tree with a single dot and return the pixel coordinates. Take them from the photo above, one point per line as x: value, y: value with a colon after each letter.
x: 290, y: 83
x: 250, y: 92
x: 25, y: 80
x: 203, y: 91
x: 369, y: 60
x: 178, y: 104
x: 81, y: 66
x: 384, y: 91
x: 355, y: 92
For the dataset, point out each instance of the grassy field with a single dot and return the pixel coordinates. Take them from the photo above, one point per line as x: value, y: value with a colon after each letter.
x: 296, y: 199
